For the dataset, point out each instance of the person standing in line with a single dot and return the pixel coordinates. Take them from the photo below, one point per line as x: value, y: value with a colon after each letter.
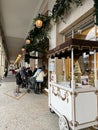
x: 32, y: 81
x: 29, y: 72
x: 18, y: 82
x: 5, y: 72
x: 39, y: 74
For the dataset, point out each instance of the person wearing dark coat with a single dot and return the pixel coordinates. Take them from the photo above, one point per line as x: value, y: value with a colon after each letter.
x: 18, y: 81
x: 5, y: 72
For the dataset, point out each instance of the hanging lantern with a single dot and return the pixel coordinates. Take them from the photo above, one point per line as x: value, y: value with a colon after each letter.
x: 27, y: 41
x: 22, y: 49
x: 39, y: 23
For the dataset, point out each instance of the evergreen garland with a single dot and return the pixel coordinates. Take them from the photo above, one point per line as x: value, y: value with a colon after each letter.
x: 39, y: 36
x: 63, y: 5
x: 96, y: 10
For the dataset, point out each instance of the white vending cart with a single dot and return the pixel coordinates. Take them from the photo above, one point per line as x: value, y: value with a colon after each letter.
x: 75, y: 97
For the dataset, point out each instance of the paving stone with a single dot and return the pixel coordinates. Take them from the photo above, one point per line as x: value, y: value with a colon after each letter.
x: 30, y: 112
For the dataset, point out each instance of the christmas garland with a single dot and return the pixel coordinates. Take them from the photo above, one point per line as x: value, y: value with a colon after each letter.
x: 96, y: 11
x: 63, y: 6
x: 39, y: 37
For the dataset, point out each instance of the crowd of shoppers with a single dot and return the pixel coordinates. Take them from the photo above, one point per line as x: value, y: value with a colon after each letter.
x: 36, y: 79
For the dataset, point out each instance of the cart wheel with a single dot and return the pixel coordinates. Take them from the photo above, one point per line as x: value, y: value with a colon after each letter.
x: 51, y: 111
x: 63, y: 123
x: 95, y: 127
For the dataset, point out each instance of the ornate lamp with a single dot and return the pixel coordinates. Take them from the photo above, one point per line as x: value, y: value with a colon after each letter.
x: 39, y: 23
x: 27, y: 41
x: 22, y: 49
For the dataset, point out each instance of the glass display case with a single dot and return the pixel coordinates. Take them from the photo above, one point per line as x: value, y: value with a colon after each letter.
x: 84, y: 70
x: 83, y: 67
x: 75, y: 96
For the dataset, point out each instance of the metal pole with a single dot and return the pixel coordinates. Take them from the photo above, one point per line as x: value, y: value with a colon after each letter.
x: 95, y: 69
x: 64, y: 71
x: 72, y: 69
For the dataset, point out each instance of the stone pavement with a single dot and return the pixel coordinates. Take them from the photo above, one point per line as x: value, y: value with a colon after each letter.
x: 29, y: 112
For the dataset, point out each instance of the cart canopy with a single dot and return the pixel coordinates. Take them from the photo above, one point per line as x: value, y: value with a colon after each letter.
x: 79, y: 46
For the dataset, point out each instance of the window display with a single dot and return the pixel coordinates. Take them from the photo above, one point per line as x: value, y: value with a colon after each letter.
x: 84, y: 69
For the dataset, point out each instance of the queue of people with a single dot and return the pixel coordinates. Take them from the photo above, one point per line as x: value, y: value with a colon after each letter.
x: 36, y: 79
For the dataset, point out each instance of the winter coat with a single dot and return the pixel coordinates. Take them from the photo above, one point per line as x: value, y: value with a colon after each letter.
x: 39, y: 76
x: 18, y: 78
